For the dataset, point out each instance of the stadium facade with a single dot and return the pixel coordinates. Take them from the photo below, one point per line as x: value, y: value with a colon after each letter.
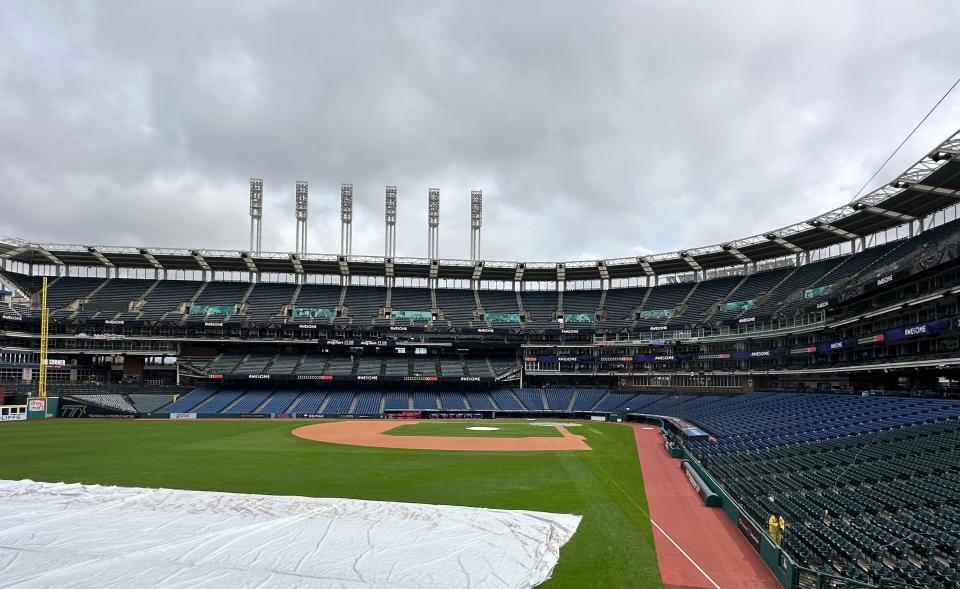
x: 862, y: 297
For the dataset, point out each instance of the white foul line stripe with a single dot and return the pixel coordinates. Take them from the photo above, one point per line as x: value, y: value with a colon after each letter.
x: 693, y: 562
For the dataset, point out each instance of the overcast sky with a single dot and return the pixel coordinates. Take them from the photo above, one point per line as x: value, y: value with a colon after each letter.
x: 593, y: 129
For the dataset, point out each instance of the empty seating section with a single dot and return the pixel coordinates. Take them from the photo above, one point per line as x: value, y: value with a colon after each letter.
x: 532, y: 399
x: 222, y: 294
x: 313, y: 364
x: 587, y: 399
x: 115, y: 402
x: 116, y: 295
x: 500, y: 366
x: 451, y: 366
x: 664, y: 298
x: 255, y: 363
x: 148, y: 403
x: 284, y: 364
x: 279, y: 403
x: 581, y: 301
x: 480, y: 401
x: 558, y: 399
x: 802, y: 277
x: 187, y: 402
x: 397, y: 401
x: 61, y: 293
x: 776, y: 292
x: 478, y: 367
x: 217, y: 402
x: 457, y: 306
x: 612, y: 402
x: 267, y: 300
x: 424, y: 400
x: 706, y: 294
x: 338, y: 404
x: 868, y: 486
x: 410, y: 299
x: 309, y: 404
x: 339, y: 365
x: 248, y: 402
x: 499, y: 301
x: 619, y: 304
x: 364, y: 302
x: 396, y: 366
x: 425, y: 365
x: 368, y: 404
x: 452, y: 401
x: 166, y: 297
x: 225, y: 363
x: 368, y: 365
x: 505, y: 400
x: 540, y: 306
x: 318, y: 296
x: 755, y: 286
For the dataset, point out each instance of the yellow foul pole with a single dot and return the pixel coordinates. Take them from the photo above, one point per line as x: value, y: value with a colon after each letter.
x: 44, y: 332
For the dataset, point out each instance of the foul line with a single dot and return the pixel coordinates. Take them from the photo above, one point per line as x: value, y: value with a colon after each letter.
x: 646, y: 513
x: 693, y: 562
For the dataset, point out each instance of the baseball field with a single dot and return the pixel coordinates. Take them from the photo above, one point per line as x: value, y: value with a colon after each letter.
x: 613, y: 546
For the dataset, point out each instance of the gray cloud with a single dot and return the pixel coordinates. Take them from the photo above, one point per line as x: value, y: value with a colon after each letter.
x: 593, y: 133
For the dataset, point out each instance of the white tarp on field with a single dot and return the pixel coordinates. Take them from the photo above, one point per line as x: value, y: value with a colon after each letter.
x: 72, y: 535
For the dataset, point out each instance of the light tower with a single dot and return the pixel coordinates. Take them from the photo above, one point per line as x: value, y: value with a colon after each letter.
x: 390, y: 216
x: 301, y: 211
x: 346, y: 219
x: 476, y: 221
x: 256, y: 213
x: 433, y: 223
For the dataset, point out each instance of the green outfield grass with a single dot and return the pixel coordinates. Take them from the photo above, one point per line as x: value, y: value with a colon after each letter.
x: 515, y: 429
x: 612, y: 548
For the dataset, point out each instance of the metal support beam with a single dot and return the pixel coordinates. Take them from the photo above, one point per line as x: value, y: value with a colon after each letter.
x: 646, y: 267
x: 934, y: 190
x: 736, y: 253
x: 295, y: 262
x: 518, y: 272
x: 784, y: 243
x: 832, y: 229
x: 691, y: 262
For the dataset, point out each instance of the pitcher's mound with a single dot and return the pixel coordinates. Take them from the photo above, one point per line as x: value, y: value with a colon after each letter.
x: 371, y: 433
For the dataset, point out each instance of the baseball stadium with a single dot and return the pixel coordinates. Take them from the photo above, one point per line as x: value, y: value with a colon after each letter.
x: 779, y: 410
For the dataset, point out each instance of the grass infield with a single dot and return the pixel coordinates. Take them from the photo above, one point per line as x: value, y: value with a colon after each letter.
x: 612, y: 548
x: 459, y: 429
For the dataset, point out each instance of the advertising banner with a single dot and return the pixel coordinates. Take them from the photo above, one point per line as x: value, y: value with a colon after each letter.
x: 312, y: 313
x: 415, y: 315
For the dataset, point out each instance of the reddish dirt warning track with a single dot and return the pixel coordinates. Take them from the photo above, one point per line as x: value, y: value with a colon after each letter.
x: 705, y: 534
x: 371, y: 433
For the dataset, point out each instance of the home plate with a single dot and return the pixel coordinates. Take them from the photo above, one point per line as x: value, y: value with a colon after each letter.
x: 74, y: 535
x: 482, y: 428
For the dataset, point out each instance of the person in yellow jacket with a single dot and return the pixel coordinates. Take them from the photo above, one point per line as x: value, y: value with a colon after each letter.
x: 774, y: 526
x: 782, y: 525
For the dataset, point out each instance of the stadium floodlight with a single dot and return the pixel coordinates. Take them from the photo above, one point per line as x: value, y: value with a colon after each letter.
x: 346, y: 219
x: 433, y: 223
x: 302, y: 196
x: 476, y: 222
x: 256, y: 213
x: 390, y: 218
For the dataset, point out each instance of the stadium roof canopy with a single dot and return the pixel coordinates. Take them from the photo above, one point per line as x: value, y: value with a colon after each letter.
x: 930, y: 185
